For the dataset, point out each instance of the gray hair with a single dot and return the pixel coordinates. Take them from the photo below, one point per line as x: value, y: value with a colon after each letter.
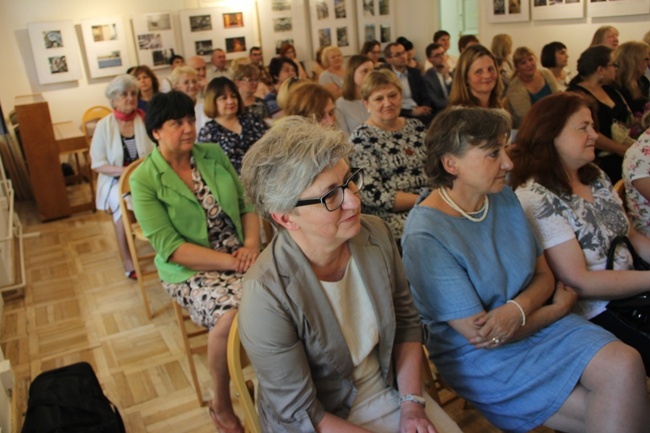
x: 287, y: 159
x: 455, y: 130
x: 178, y: 71
x: 120, y: 84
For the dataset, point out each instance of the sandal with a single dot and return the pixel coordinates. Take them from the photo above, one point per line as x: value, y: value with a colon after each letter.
x: 222, y: 428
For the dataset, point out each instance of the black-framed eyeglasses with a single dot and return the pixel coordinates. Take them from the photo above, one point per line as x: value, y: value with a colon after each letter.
x: 333, y: 199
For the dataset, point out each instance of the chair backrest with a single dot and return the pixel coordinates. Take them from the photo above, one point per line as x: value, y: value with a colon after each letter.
x: 91, y: 117
x: 245, y: 389
x: 619, y: 188
x: 125, y: 190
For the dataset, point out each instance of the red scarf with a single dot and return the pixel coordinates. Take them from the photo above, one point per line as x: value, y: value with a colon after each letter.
x: 128, y: 117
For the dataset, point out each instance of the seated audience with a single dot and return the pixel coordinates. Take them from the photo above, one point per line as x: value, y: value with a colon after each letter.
x: 555, y: 58
x: 186, y: 80
x: 500, y: 329
x: 147, y: 85
x: 632, y: 59
x: 257, y: 60
x: 415, y: 102
x: 467, y: 41
x: 119, y: 139
x: 411, y: 61
x: 190, y: 204
x: 317, y: 67
x: 443, y: 38
x: 390, y: 150
x: 575, y: 213
x: 218, y: 66
x: 350, y: 111
x: 334, y: 342
x: 281, y: 69
x: 372, y: 50
x: 247, y: 79
x: 528, y: 85
x: 289, y: 51
x: 175, y: 61
x: 332, y: 77
x: 312, y: 101
x: 200, y: 67
x: 636, y: 175
x: 234, y: 129
x: 596, y: 74
x: 605, y: 35
x: 476, y: 80
x: 437, y: 79
x: 502, y: 49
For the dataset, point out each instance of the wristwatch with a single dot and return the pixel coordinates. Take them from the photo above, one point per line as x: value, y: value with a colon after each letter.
x: 413, y: 398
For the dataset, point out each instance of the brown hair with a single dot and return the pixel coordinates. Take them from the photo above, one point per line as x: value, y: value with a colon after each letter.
x: 218, y: 87
x: 629, y: 56
x: 599, y: 36
x: 460, y: 93
x: 146, y: 70
x: 245, y: 71
x: 308, y: 100
x: 535, y: 156
x: 349, y: 89
x: 520, y: 55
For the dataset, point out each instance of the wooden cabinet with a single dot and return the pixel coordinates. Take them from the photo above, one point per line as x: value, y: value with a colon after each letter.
x: 43, y: 143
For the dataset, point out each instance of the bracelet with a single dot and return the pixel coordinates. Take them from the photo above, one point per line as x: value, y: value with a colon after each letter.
x: 521, y: 310
x: 413, y: 398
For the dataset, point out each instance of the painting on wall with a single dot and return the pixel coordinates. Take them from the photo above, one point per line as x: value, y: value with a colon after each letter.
x: 333, y: 22
x: 106, y: 46
x: 507, y: 11
x: 557, y: 9
x: 54, y: 46
x: 374, y: 16
x: 228, y: 28
x: 285, y: 21
x: 155, y: 38
x: 611, y: 8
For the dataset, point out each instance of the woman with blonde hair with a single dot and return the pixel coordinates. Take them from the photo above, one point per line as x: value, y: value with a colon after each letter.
x: 632, y: 59
x: 313, y: 101
x: 502, y: 48
x: 350, y: 112
x: 332, y: 77
x: 605, y: 35
x: 476, y: 79
x: 529, y: 84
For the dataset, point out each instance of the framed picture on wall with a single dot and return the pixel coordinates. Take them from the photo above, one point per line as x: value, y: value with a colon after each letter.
x: 106, y: 46
x: 333, y: 21
x: 373, y: 17
x: 611, y: 8
x: 229, y: 28
x: 155, y: 38
x: 557, y: 9
x: 507, y: 11
x: 285, y: 22
x: 54, y: 46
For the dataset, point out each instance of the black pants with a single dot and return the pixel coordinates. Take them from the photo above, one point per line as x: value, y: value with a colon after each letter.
x: 627, y: 334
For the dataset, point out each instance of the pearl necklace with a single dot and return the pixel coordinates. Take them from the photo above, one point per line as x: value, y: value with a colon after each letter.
x: 484, y: 210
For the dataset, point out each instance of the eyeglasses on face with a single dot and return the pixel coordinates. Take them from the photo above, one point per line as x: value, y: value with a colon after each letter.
x: 333, y: 199
x: 614, y: 64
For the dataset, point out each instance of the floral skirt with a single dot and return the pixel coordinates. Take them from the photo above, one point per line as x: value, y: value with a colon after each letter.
x: 207, y: 295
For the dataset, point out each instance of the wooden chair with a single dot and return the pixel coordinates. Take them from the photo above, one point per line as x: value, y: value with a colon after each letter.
x: 619, y: 188
x: 194, y: 343
x: 142, y: 261
x: 90, y: 118
x: 244, y: 389
x: 433, y: 384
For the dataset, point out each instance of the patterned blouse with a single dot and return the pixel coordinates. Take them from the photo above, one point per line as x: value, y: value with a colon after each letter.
x: 636, y: 165
x: 235, y: 145
x: 557, y: 219
x: 392, y: 161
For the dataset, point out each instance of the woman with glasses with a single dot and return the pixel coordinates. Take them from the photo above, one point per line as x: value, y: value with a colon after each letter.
x: 190, y: 204
x: 119, y: 139
x: 247, y: 79
x: 326, y: 317
x: 372, y: 50
x: 596, y: 74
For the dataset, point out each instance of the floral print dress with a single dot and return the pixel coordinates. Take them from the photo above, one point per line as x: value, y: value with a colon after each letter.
x: 636, y: 165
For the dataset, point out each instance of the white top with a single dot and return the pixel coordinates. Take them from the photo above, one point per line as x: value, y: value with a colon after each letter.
x: 350, y: 114
x: 636, y: 165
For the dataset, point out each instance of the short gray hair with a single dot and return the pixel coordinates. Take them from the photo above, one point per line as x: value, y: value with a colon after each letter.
x: 455, y: 130
x: 287, y: 159
x: 119, y: 85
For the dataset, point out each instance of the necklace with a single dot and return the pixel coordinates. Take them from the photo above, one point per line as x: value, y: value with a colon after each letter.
x: 484, y: 210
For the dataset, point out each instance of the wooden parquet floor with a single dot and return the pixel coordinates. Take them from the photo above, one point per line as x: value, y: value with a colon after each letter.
x: 78, y: 306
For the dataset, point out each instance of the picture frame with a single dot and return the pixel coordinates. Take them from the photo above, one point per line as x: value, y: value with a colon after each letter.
x: 507, y: 11
x: 229, y: 28
x: 285, y: 21
x: 376, y: 20
x: 106, y: 48
x: 557, y: 9
x: 612, y: 8
x: 54, y: 47
x: 155, y: 38
x: 335, y: 21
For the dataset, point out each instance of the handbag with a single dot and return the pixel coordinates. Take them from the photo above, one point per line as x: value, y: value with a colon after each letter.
x: 635, y: 310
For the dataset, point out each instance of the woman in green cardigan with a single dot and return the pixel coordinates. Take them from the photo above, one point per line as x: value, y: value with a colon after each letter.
x: 190, y: 204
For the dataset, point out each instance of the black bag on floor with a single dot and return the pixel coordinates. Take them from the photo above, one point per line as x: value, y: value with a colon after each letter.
x: 70, y: 400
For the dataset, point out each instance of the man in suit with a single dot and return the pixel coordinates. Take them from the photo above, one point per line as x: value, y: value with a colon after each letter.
x: 437, y: 80
x: 415, y: 102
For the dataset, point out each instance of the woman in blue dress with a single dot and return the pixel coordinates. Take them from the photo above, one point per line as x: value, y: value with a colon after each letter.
x: 500, y: 329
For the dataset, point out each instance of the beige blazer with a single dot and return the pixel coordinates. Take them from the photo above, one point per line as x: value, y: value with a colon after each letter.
x: 293, y: 339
